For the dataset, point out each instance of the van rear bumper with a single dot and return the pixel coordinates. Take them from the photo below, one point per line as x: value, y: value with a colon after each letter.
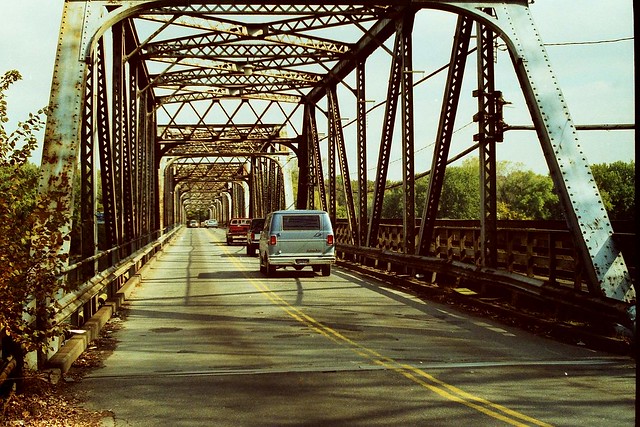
x: 301, y: 260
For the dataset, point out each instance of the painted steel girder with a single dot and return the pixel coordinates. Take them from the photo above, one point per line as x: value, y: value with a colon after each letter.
x: 393, y: 91
x: 88, y: 235
x: 291, y: 25
x: 220, y: 40
x: 228, y: 170
x: 104, y: 143
x: 225, y: 149
x: 487, y: 146
x: 587, y: 218
x: 257, y: 78
x: 64, y: 119
x: 375, y: 37
x: 452, y: 90
x: 305, y: 167
x: 271, y: 8
x: 250, y: 53
x: 238, y: 60
x: 246, y: 90
x: 362, y: 152
x: 315, y: 160
x: 408, y: 163
x: 334, y: 110
x: 214, y: 132
x: 219, y: 93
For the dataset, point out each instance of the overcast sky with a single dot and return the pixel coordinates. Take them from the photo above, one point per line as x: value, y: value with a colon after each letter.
x: 594, y: 70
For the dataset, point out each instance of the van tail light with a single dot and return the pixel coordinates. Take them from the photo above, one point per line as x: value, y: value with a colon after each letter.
x: 330, y: 239
x: 273, y: 240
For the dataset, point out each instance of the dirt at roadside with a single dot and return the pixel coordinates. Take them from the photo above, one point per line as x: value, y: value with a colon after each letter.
x: 47, y: 401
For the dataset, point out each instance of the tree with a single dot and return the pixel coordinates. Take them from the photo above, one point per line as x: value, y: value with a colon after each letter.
x: 30, y: 237
x: 616, y: 182
x: 460, y: 198
x: 524, y: 194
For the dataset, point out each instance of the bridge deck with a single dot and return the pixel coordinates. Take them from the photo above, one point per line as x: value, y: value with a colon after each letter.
x: 209, y: 340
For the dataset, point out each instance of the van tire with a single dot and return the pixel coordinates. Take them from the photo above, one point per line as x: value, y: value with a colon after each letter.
x: 270, y: 269
x: 326, y: 270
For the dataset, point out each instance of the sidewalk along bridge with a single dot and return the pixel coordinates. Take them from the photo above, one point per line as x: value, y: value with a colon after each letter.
x: 240, y: 108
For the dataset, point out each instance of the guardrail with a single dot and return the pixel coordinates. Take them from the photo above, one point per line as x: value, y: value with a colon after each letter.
x: 538, y: 249
x: 85, y: 300
x: 537, y: 267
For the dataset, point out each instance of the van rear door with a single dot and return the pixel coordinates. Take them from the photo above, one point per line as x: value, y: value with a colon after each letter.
x: 303, y: 234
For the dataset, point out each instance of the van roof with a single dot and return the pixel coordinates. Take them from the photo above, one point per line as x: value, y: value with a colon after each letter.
x: 299, y: 211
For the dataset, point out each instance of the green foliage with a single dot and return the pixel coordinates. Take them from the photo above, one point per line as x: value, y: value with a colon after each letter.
x: 617, y: 185
x: 521, y: 193
x: 460, y: 198
x: 393, y: 203
x: 30, y: 236
x: 524, y: 194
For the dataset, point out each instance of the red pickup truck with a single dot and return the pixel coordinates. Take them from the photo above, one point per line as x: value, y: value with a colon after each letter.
x: 237, y: 230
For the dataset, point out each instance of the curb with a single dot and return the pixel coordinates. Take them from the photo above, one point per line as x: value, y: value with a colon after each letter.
x: 78, y: 343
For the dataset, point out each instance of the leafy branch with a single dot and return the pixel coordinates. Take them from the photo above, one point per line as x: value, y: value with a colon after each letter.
x: 30, y: 236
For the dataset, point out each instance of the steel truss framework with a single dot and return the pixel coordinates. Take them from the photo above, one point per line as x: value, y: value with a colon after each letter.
x: 203, y: 105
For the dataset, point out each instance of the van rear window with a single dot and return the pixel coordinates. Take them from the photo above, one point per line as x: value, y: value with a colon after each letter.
x: 301, y: 222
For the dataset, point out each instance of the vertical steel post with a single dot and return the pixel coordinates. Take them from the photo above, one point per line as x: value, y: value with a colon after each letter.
x: 105, y: 148
x: 362, y: 153
x: 445, y: 131
x: 304, y: 167
x: 334, y: 111
x: 316, y: 162
x: 88, y: 229
x: 254, y: 196
x: 261, y: 184
x: 331, y: 160
x: 273, y: 193
x: 486, y: 138
x: 386, y: 137
x: 408, y: 164
x: 117, y: 123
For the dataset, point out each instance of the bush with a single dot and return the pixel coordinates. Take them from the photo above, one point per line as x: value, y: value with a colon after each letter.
x: 30, y: 237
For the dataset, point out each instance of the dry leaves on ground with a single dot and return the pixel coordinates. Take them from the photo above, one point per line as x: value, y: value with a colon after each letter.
x: 46, y: 402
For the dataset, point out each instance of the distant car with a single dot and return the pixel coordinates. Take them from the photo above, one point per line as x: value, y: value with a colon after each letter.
x: 211, y: 223
x: 253, y: 235
x: 237, y: 230
x: 297, y: 238
x: 193, y: 223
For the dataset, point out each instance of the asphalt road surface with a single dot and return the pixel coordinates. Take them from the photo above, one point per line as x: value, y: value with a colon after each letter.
x: 210, y: 341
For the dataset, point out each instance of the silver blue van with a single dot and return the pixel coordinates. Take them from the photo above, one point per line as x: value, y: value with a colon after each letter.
x: 298, y: 239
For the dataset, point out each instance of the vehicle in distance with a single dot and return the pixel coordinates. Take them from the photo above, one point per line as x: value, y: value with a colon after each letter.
x: 237, y: 230
x: 298, y: 239
x: 192, y: 223
x: 211, y: 223
x: 253, y: 235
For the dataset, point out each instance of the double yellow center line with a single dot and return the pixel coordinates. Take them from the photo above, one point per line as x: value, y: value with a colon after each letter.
x: 414, y: 374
